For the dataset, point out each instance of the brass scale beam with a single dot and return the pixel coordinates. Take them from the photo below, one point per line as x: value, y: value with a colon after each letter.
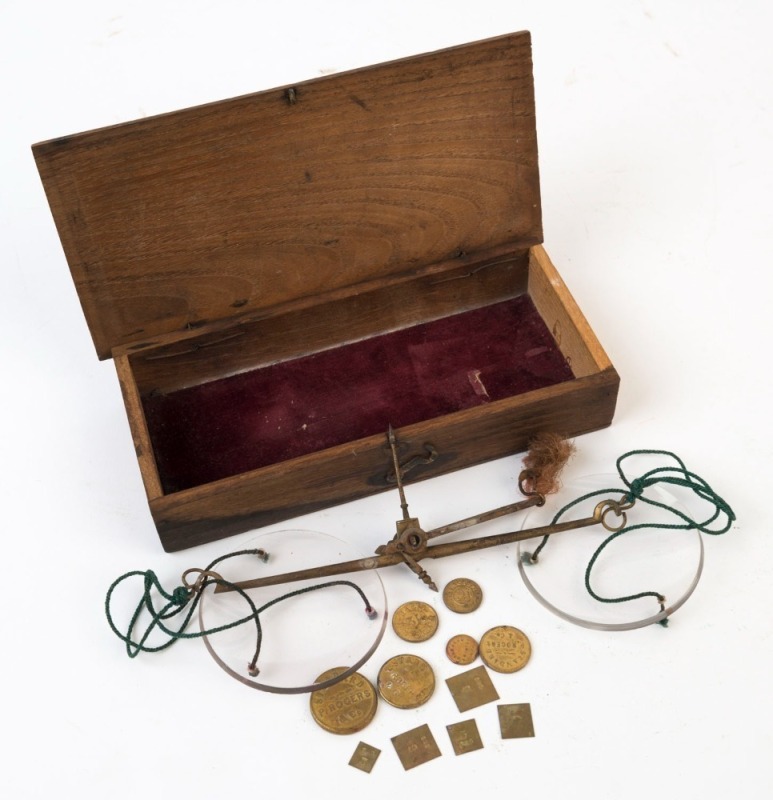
x: 410, y: 543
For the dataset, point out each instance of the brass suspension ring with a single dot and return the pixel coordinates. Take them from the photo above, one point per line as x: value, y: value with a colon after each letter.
x: 198, y: 584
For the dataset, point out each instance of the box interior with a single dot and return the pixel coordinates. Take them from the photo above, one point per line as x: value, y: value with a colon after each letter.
x: 276, y: 412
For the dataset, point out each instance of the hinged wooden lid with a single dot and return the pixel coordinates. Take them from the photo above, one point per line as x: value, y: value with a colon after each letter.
x: 235, y: 207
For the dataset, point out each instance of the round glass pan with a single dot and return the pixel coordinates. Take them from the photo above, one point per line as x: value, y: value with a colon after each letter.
x: 303, y: 636
x: 666, y: 561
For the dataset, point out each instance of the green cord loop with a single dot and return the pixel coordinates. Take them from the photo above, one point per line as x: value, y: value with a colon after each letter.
x: 678, y: 476
x: 184, y: 596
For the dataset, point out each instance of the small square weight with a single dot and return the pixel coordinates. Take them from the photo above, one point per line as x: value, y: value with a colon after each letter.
x: 472, y: 689
x: 464, y: 736
x: 364, y: 757
x: 416, y: 747
x: 515, y: 721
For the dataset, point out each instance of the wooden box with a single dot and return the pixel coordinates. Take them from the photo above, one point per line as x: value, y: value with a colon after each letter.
x: 279, y: 277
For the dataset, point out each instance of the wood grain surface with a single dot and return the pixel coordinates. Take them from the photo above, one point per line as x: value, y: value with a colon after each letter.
x: 221, y: 238
x: 214, y: 212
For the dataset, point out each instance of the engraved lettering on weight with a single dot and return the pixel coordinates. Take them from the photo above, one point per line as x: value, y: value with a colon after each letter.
x: 415, y: 621
x: 345, y: 707
x: 462, y: 595
x: 406, y: 681
x: 505, y: 649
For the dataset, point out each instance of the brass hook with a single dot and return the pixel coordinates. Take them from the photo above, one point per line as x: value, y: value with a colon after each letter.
x: 529, y: 475
x: 619, y: 507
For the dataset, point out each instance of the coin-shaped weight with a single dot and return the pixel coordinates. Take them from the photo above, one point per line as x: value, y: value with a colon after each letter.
x: 415, y: 621
x: 462, y: 649
x: 505, y: 649
x: 345, y: 707
x: 462, y: 595
x: 406, y: 681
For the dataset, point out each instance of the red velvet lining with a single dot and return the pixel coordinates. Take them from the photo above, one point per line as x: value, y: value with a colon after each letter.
x: 285, y: 410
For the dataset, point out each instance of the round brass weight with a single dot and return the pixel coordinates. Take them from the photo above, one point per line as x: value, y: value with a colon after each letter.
x: 462, y: 649
x: 406, y: 681
x: 415, y: 621
x: 505, y: 649
x: 345, y: 707
x: 462, y: 595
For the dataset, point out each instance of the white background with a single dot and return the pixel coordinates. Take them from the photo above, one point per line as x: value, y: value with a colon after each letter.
x: 654, y: 123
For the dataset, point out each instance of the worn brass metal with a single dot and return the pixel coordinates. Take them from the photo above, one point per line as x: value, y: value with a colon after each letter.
x: 505, y: 649
x: 410, y: 544
x: 364, y: 757
x: 415, y: 621
x: 462, y: 649
x: 345, y: 707
x: 464, y: 736
x: 515, y: 721
x: 416, y: 747
x: 472, y: 689
x: 410, y: 539
x: 406, y: 681
x: 462, y: 595
x: 430, y: 454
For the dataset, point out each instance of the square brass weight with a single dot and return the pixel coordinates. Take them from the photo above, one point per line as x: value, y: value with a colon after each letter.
x: 472, y: 689
x: 464, y: 736
x: 416, y: 747
x: 364, y: 757
x: 515, y: 721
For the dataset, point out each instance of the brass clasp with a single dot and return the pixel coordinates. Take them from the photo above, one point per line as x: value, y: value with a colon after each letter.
x: 430, y: 454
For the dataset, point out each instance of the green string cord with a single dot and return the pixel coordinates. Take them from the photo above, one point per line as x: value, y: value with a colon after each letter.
x: 676, y: 476
x: 176, y: 604
x: 183, y: 602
